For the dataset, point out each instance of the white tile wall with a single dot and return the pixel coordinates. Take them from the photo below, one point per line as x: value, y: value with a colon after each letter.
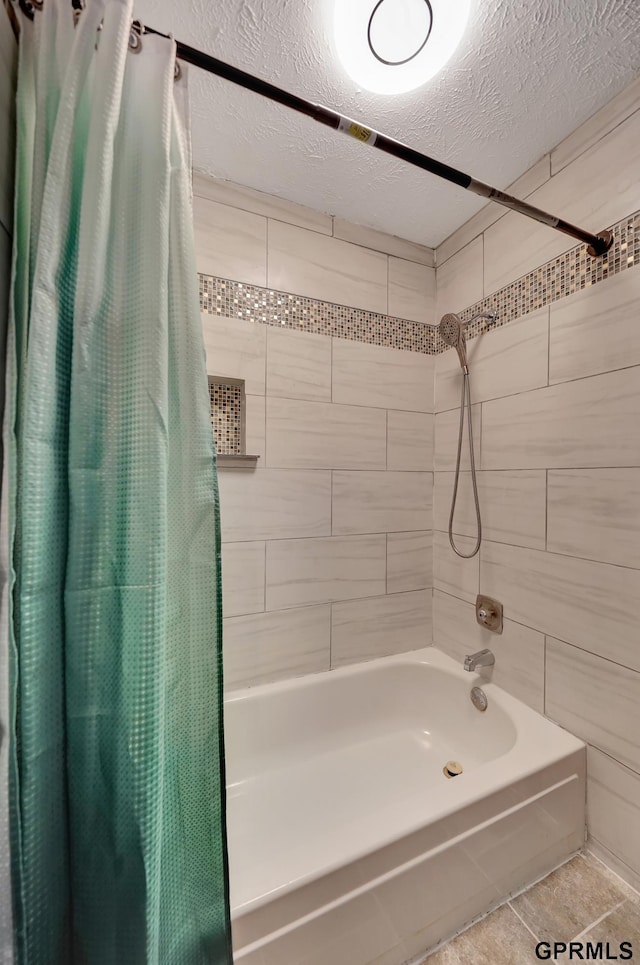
x: 243, y: 578
x: 459, y: 281
x: 590, y: 191
x: 274, y: 504
x: 595, y: 699
x: 236, y: 349
x: 379, y: 241
x: 412, y: 291
x: 280, y: 550
x: 513, y: 505
x: 591, y: 605
x: 365, y: 629
x: 560, y: 463
x: 589, y: 422
x: 298, y: 365
x: 409, y: 561
x: 596, y: 330
x: 381, y: 502
x: 319, y: 435
x: 409, y: 440
x: 446, y: 429
x: 595, y: 513
x: 257, y: 202
x: 519, y: 650
x: 613, y: 806
x: 376, y: 376
x: 255, y: 417
x: 230, y: 243
x: 506, y: 361
x: 305, y: 571
x: 311, y: 264
x: 271, y: 646
x: 453, y: 574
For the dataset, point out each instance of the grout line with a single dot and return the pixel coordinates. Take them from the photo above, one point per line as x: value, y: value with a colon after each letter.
x: 386, y: 565
x: 549, y: 344
x: 546, y: 510
x: 593, y: 924
x: 387, y: 257
x: 331, y: 533
x: 544, y: 675
x: 331, y: 667
x: 531, y: 932
x: 386, y: 439
x: 594, y: 857
x: 266, y: 253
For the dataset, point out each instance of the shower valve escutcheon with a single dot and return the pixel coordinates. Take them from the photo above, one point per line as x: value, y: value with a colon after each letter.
x: 489, y: 613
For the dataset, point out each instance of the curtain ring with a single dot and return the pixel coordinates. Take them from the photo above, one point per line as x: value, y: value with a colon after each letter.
x: 177, y: 71
x: 38, y: 4
x: 27, y: 9
x: 135, y: 37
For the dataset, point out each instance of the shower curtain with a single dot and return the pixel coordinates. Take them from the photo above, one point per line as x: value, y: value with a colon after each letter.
x: 112, y: 534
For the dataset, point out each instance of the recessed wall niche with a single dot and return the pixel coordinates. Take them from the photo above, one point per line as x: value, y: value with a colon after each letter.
x: 228, y: 421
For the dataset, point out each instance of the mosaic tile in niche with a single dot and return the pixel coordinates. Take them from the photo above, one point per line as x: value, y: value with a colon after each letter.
x: 226, y: 400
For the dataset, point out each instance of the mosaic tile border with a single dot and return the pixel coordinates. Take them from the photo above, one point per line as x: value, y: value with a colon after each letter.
x: 565, y: 275
x: 562, y: 276
x: 221, y: 296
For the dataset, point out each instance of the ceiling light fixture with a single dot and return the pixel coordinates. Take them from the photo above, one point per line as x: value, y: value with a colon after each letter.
x: 392, y: 46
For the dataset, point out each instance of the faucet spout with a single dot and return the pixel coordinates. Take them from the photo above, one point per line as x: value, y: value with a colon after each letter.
x: 483, y: 658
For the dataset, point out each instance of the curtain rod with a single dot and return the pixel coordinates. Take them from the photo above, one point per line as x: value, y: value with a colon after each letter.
x: 597, y: 244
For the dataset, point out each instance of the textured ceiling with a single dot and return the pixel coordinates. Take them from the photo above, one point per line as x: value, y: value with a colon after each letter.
x: 525, y: 75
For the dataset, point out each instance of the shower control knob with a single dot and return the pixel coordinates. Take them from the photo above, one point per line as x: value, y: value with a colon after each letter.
x: 489, y: 613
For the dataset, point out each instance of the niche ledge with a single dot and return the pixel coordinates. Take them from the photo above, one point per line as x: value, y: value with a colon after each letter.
x: 236, y: 460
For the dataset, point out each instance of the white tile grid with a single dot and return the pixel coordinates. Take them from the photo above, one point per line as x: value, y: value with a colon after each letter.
x: 278, y: 521
x: 574, y: 580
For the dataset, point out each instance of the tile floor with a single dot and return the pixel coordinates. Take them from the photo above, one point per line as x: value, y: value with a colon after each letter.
x: 581, y: 901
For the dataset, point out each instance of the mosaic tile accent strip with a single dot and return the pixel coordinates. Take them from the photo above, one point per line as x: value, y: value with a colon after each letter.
x: 564, y: 275
x: 226, y: 416
x: 220, y: 296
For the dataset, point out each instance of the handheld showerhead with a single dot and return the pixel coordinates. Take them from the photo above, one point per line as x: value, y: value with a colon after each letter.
x: 452, y: 332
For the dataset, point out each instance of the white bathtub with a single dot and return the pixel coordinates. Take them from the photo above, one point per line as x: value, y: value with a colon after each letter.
x: 348, y: 845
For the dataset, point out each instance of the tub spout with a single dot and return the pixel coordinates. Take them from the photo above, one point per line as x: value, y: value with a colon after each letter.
x: 483, y: 658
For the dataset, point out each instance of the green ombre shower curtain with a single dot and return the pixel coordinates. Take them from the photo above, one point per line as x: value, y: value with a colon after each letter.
x: 117, y: 771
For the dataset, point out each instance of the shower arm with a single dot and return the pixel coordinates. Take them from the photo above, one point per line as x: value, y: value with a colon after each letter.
x: 598, y: 244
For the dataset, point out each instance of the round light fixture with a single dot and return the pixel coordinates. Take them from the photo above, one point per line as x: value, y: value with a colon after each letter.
x: 392, y: 46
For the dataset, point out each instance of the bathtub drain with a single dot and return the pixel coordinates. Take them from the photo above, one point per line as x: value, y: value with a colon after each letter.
x: 452, y: 769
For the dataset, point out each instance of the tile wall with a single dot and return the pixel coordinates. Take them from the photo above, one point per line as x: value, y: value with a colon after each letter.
x: 327, y: 544
x: 557, y: 416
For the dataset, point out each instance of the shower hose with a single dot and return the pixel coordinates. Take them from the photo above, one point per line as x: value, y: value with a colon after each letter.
x: 465, y: 402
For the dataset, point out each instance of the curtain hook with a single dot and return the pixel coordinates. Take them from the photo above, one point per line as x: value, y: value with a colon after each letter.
x: 135, y: 37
